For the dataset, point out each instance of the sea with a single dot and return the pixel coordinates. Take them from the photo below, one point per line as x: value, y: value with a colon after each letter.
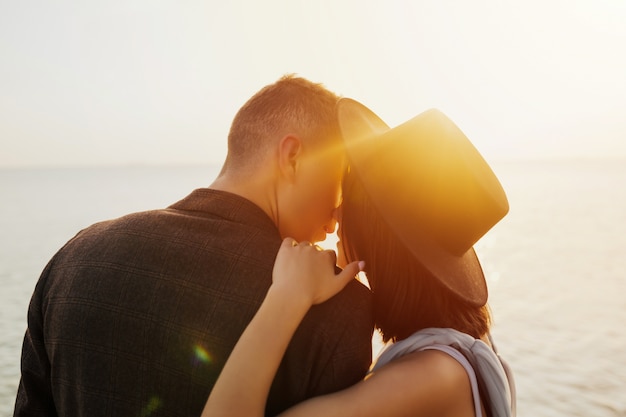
x: 555, y: 267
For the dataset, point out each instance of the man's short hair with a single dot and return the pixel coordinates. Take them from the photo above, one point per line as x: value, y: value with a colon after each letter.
x: 291, y: 105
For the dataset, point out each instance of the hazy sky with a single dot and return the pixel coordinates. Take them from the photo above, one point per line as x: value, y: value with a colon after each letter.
x: 87, y: 82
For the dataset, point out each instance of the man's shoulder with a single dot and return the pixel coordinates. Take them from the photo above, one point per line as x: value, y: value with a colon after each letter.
x: 354, y: 304
x: 203, y: 232
x: 132, y: 223
x: 357, y: 291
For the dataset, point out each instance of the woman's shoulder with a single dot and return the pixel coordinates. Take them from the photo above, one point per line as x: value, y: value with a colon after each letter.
x: 429, y: 380
x: 436, y: 367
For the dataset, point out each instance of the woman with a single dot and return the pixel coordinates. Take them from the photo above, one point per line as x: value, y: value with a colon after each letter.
x: 416, y: 199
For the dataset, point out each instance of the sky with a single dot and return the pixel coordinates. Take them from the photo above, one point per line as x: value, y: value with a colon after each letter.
x: 123, y: 82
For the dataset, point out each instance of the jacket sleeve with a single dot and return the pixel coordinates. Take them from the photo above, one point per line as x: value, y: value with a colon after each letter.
x: 330, y: 351
x: 34, y: 394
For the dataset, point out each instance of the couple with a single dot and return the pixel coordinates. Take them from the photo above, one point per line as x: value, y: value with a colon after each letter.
x: 137, y: 315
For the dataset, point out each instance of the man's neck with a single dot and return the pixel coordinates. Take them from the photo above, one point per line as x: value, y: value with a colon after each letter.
x: 256, y: 188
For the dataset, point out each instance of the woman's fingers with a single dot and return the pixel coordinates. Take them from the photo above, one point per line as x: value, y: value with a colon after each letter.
x: 350, y: 271
x: 308, y: 270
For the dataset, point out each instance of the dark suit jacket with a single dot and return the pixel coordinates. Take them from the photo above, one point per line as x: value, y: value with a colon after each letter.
x: 136, y: 316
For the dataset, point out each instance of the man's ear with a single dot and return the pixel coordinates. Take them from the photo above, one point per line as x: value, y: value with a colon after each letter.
x: 289, y: 153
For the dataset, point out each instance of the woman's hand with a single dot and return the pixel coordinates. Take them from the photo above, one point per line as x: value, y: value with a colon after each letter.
x: 305, y: 271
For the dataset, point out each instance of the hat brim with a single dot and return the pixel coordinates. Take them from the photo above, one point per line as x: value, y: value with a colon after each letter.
x: 364, y: 135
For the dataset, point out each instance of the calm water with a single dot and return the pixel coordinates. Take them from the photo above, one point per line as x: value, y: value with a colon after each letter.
x: 557, y: 281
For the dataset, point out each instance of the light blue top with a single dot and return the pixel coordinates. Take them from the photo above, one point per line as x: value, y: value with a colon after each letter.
x: 492, y: 369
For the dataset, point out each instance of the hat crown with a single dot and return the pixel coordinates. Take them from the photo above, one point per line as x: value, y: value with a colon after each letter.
x: 441, y: 180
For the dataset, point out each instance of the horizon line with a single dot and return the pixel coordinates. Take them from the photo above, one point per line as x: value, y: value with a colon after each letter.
x: 214, y: 164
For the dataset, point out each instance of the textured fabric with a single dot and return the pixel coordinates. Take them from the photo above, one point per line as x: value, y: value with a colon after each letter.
x: 136, y: 316
x: 490, y: 368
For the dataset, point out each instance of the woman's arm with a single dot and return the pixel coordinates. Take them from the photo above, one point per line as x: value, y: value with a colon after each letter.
x: 428, y: 383
x: 303, y: 276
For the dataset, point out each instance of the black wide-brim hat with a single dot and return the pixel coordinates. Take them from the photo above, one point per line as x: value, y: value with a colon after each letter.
x: 432, y: 187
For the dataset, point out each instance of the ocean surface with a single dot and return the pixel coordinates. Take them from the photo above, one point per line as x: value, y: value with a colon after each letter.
x: 555, y: 266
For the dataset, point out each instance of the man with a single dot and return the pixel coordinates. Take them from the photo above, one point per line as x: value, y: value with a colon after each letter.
x: 136, y: 316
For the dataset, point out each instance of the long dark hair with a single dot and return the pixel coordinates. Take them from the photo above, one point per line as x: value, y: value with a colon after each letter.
x: 407, y: 297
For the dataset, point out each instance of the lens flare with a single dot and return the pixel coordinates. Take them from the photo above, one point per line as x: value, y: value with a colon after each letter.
x: 153, y: 404
x: 201, y: 354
